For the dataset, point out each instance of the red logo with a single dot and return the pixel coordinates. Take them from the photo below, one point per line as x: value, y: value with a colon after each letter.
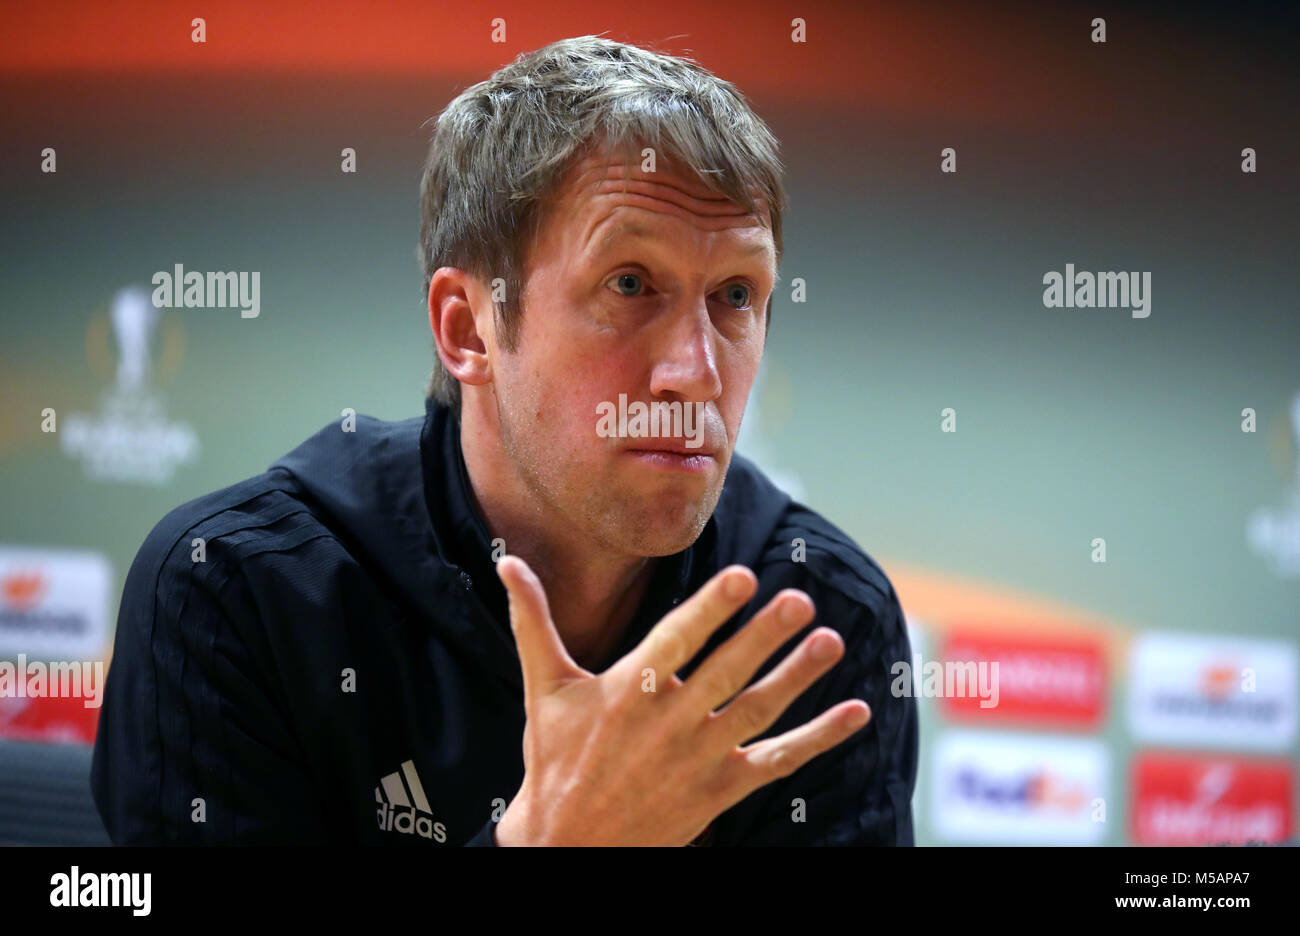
x: 50, y: 719
x: 1182, y: 799
x: 1052, y: 680
x: 21, y: 591
x: 1220, y: 680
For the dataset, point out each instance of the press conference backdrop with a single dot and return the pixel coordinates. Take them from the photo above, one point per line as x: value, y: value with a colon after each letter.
x: 1105, y: 501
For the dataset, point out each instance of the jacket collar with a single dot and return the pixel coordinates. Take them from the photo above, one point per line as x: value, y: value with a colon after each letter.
x: 459, y: 531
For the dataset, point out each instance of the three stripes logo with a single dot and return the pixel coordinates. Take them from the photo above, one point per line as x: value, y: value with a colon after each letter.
x: 403, y: 806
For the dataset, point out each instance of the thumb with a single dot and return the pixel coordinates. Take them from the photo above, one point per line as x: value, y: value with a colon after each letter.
x: 542, y: 656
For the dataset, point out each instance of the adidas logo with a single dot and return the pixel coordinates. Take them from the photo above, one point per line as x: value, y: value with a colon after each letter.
x: 407, y: 814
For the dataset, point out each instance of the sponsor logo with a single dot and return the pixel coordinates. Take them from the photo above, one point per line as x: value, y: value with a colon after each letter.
x: 1019, y: 789
x: 1056, y: 681
x: 1223, y: 691
x: 1207, y: 800
x: 52, y: 720
x: 130, y: 439
x: 54, y: 604
x: 403, y: 807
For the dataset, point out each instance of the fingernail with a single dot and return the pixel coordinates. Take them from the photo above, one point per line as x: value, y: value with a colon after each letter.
x: 824, y: 648
x: 792, y: 611
x: 736, y: 586
x: 860, y: 717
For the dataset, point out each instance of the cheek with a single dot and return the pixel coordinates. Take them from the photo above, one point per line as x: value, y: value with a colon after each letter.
x: 555, y: 402
x: 737, y: 373
x: 585, y: 373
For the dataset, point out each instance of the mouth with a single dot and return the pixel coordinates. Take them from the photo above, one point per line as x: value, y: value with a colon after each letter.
x: 675, y: 458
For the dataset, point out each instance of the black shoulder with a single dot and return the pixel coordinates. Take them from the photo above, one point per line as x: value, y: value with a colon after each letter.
x: 205, y: 540
x: 190, y: 648
x: 829, y: 556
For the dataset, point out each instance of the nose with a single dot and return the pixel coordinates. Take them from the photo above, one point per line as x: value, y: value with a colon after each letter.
x: 686, y: 365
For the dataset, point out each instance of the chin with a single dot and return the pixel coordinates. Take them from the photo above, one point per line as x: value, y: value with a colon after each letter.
x: 668, y: 546
x: 663, y: 532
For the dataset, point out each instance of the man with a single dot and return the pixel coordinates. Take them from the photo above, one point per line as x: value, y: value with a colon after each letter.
x: 519, y: 621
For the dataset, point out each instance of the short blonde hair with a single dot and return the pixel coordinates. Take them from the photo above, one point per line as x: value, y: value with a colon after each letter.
x: 501, y: 148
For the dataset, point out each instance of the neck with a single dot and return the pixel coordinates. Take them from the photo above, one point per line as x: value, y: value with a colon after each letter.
x: 593, y: 592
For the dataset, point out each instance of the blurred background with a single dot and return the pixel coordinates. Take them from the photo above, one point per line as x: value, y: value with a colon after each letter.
x: 1106, y: 506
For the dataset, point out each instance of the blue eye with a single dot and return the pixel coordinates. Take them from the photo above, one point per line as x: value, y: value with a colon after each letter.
x: 629, y: 284
x: 738, y: 292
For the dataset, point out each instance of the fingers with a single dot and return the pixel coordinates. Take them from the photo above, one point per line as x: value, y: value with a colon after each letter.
x: 771, y: 759
x: 758, y: 707
x: 732, y: 665
x: 542, y: 655
x: 683, y: 631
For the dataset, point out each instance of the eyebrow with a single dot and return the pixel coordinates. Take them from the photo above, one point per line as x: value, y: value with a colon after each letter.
x: 633, y: 231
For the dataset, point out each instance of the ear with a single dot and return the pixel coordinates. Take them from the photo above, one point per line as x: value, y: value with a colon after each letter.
x: 453, y: 294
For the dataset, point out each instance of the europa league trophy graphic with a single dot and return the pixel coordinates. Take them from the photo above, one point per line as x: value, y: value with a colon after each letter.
x: 130, y: 439
x: 134, y: 322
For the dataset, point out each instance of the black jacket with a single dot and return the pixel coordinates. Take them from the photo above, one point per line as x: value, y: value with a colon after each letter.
x: 322, y: 654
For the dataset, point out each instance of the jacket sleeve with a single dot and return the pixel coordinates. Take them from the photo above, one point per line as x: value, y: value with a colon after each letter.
x: 486, y: 836
x: 193, y: 747
x: 860, y: 791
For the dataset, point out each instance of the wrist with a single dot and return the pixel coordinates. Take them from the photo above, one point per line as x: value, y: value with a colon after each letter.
x: 512, y: 830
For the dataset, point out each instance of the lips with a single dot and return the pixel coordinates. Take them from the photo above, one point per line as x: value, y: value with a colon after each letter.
x: 694, y: 463
x: 673, y: 447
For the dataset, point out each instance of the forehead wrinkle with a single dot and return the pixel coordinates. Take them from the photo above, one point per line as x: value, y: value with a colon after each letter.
x: 684, y: 183
x: 672, y: 184
x: 714, y: 213
x: 601, y: 175
x: 710, y: 223
x: 679, y: 178
x: 639, y: 232
x: 638, y: 200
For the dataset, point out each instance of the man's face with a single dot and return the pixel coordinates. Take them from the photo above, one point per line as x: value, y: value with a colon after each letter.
x: 648, y: 285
